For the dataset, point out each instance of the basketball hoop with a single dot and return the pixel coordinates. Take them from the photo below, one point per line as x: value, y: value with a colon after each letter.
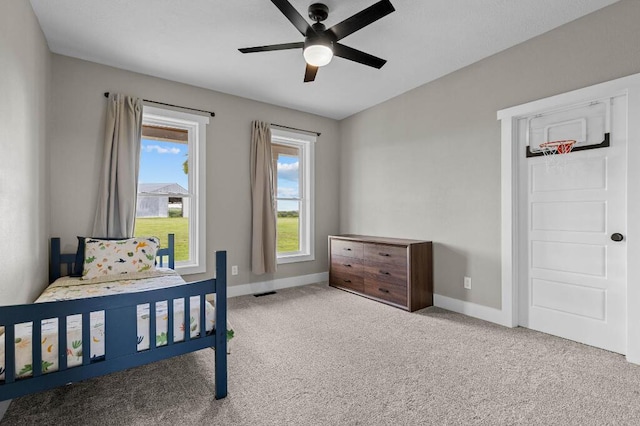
x: 552, y: 149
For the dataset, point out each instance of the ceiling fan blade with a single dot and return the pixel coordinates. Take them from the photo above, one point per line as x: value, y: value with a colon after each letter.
x: 362, y: 19
x: 270, y: 47
x: 355, y: 55
x: 310, y: 73
x: 293, y: 16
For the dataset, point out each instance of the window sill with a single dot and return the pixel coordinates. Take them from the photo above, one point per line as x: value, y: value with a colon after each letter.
x: 190, y: 269
x: 295, y: 258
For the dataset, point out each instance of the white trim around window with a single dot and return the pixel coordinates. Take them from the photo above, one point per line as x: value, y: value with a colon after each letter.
x: 306, y: 143
x: 196, y: 125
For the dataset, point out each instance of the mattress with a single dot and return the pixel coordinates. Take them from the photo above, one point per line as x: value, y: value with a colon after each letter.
x: 67, y: 288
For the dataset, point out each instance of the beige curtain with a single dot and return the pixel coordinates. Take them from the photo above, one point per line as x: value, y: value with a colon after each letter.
x: 118, y: 187
x: 263, y: 239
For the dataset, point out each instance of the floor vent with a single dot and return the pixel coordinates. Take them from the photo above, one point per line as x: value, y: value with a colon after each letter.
x: 264, y: 294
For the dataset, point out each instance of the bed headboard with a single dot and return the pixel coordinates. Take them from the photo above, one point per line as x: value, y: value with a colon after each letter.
x: 58, y: 260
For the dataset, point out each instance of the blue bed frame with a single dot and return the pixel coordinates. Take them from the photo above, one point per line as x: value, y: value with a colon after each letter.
x: 120, y: 314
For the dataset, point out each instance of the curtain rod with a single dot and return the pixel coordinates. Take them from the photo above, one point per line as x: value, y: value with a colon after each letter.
x: 293, y: 128
x: 213, y: 114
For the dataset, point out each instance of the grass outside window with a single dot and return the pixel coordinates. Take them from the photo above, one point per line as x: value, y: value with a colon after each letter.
x: 288, y: 233
x: 161, y: 227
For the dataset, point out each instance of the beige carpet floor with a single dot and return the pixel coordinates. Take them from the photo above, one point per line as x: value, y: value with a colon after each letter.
x: 315, y: 355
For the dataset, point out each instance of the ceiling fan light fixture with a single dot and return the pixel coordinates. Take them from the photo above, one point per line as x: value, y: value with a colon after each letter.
x: 317, y: 55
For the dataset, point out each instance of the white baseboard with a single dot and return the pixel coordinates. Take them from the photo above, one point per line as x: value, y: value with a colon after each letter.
x: 264, y: 286
x: 630, y: 358
x: 471, y: 309
x: 3, y: 408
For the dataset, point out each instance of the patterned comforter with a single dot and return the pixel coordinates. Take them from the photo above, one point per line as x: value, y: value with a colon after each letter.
x: 67, y: 288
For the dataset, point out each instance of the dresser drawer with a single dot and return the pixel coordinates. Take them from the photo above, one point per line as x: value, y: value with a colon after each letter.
x: 391, y: 273
x: 386, y: 291
x: 346, y: 248
x: 386, y: 263
x: 346, y: 265
x: 388, y: 255
x: 347, y: 280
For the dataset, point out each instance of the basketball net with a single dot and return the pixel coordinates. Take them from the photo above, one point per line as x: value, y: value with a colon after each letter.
x: 554, y: 153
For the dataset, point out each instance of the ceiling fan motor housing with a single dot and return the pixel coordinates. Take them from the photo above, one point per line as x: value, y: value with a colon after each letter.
x: 317, y: 34
x: 318, y: 41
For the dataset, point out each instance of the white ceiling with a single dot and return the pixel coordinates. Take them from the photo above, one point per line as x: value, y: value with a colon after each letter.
x: 196, y: 42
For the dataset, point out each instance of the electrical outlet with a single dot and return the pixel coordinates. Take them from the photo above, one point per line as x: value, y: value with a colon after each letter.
x: 467, y: 283
x: 234, y: 270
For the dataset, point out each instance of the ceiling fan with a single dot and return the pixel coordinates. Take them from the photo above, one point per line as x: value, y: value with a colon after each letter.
x: 321, y: 44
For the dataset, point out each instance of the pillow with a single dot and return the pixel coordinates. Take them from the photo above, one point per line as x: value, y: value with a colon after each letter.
x: 118, y: 257
x: 79, y: 263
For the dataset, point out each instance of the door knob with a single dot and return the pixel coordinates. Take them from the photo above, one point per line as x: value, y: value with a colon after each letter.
x: 617, y: 237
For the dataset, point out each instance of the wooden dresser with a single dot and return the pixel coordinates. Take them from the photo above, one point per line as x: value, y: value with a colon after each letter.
x: 394, y: 271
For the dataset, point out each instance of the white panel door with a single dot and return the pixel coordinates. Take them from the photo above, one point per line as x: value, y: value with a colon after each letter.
x: 574, y: 280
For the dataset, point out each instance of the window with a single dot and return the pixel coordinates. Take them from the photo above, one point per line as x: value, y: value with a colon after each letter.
x: 293, y: 178
x: 171, y: 184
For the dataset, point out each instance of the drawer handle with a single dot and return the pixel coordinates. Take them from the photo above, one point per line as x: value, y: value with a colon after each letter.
x: 384, y: 290
x: 384, y: 254
x: 347, y: 265
x: 347, y: 249
x: 347, y: 281
x: 385, y: 273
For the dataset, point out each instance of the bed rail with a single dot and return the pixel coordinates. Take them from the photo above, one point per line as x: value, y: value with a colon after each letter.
x: 120, y: 351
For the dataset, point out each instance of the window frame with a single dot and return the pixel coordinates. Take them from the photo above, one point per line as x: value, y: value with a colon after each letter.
x: 306, y: 144
x: 196, y: 126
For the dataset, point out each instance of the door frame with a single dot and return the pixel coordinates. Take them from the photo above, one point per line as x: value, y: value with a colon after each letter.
x: 510, y: 209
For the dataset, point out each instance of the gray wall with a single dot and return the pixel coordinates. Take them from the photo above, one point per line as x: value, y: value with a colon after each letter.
x: 422, y: 165
x: 75, y: 140
x: 24, y: 210
x: 426, y: 164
